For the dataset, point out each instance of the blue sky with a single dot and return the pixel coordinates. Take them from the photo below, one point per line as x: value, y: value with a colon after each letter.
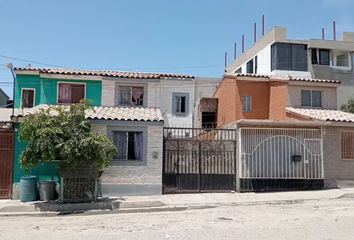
x: 184, y: 36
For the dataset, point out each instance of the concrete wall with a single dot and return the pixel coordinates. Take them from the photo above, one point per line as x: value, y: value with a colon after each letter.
x: 329, y: 96
x: 205, y: 87
x: 151, y: 91
x: 274, y: 34
x: 124, y: 178
x: 334, y: 167
x: 3, y: 99
x: 167, y: 88
x: 346, y: 89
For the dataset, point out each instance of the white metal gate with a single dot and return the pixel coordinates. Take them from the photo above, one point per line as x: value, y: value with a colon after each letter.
x: 274, y: 158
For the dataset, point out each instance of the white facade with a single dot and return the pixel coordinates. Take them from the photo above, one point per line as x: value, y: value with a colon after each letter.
x: 167, y: 89
x: 158, y: 93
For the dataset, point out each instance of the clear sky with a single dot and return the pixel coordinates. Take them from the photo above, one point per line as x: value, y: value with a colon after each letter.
x: 182, y: 36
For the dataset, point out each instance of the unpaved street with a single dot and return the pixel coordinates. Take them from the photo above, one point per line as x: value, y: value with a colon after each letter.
x: 326, y: 219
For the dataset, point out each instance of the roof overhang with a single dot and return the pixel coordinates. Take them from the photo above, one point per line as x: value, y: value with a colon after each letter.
x: 280, y: 123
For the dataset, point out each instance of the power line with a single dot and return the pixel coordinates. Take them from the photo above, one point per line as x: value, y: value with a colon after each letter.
x: 29, y: 61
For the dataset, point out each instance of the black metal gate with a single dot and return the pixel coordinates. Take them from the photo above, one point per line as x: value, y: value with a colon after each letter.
x: 197, y: 159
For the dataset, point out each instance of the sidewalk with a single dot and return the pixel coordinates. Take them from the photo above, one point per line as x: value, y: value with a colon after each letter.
x: 171, y: 202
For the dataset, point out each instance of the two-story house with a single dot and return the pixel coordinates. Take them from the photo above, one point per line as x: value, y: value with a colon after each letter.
x: 126, y: 108
x: 289, y: 133
x: 275, y: 54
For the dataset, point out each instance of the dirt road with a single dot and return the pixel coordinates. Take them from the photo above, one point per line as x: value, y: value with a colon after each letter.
x: 326, y: 219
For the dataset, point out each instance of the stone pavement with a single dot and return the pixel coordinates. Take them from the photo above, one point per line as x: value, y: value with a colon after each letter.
x: 171, y: 202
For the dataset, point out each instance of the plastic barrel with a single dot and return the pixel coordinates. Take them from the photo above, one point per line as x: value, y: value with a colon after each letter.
x: 28, y: 188
x: 46, y: 190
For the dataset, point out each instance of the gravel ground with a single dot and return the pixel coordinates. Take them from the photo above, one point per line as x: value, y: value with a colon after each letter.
x: 325, y: 219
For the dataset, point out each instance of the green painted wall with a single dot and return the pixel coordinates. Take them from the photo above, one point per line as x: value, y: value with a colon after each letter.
x: 46, y: 89
x: 45, y: 171
x: 27, y: 81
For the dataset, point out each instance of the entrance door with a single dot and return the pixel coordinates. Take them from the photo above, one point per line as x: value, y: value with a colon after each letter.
x: 6, y: 161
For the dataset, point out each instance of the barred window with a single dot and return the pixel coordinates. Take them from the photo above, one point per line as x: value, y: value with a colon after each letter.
x: 347, y: 145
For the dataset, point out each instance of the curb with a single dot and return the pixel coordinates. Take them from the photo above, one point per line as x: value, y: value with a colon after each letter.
x: 165, y: 208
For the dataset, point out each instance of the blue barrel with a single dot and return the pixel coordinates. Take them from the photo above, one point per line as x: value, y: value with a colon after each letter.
x: 28, y: 188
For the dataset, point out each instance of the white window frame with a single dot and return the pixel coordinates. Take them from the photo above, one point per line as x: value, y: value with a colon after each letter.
x: 70, y: 83
x: 344, y: 159
x: 248, y: 99
x: 311, y: 98
x: 34, y: 95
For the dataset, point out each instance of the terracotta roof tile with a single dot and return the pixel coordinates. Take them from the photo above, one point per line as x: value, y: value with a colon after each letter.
x: 105, y: 113
x: 106, y: 73
x: 281, y: 77
x: 322, y: 114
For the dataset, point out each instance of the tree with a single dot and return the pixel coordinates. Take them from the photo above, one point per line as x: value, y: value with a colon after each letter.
x: 349, y: 106
x: 63, y: 133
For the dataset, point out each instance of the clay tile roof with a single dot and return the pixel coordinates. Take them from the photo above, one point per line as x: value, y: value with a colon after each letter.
x: 322, y: 114
x: 106, y: 73
x: 281, y: 77
x: 105, y: 113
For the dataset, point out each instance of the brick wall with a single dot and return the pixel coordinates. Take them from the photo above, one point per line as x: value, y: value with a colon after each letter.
x: 277, y: 100
x: 142, y: 173
x: 108, y: 93
x: 101, y: 129
x: 334, y: 167
x: 153, y: 99
x: 329, y: 96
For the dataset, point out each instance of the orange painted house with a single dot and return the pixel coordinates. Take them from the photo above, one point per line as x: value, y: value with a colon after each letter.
x: 253, y: 96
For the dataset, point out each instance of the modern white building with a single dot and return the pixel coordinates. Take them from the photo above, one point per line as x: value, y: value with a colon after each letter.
x: 275, y: 54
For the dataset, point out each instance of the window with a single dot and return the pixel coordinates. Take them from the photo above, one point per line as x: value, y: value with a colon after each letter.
x: 320, y: 56
x: 289, y: 56
x: 347, y: 145
x: 129, y: 145
x: 324, y: 56
x: 342, y: 60
x: 311, y: 98
x: 239, y: 70
x: 255, y: 64
x: 27, y: 98
x: 181, y: 105
x: 246, y: 103
x: 249, y: 66
x: 70, y: 92
x: 130, y: 96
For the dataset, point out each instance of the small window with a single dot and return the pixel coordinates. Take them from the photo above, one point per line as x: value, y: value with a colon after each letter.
x: 347, y: 145
x: 239, y: 70
x: 130, y: 96
x: 311, y: 98
x: 70, y: 92
x: 255, y: 64
x: 129, y: 145
x: 249, y: 66
x: 342, y: 60
x: 27, y: 98
x: 324, y: 57
x: 246, y: 103
x: 181, y: 105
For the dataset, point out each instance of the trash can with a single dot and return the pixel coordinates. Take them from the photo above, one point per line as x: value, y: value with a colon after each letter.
x: 28, y: 188
x: 46, y: 190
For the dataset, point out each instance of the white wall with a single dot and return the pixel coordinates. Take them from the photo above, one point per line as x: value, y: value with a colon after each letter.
x: 292, y: 73
x: 264, y: 61
x: 167, y: 88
